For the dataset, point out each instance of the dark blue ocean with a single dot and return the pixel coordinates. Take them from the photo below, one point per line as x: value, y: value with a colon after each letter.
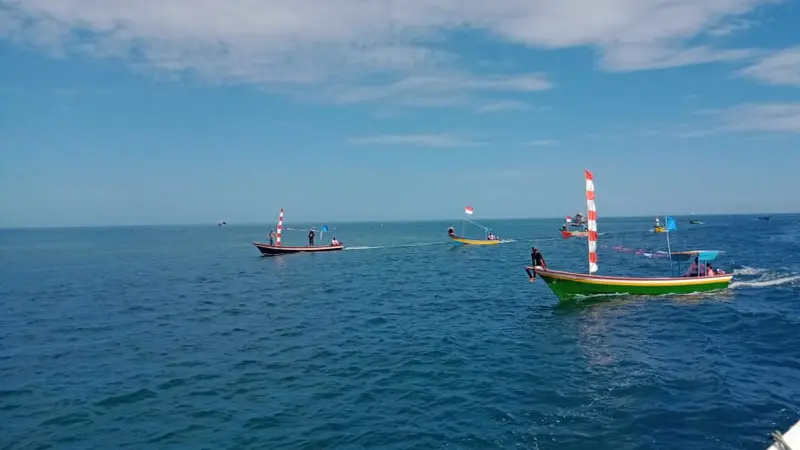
x: 183, y: 337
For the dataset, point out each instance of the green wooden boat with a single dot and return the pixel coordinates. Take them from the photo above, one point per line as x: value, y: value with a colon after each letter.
x: 568, y: 285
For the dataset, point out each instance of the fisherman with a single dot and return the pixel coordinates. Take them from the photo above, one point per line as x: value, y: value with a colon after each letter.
x: 537, y: 260
x: 451, y: 231
x: 271, y: 237
x: 334, y: 241
x: 311, y: 235
x: 693, y: 269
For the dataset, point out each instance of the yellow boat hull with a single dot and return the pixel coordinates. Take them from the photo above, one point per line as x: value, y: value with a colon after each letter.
x: 465, y: 241
x: 660, y: 229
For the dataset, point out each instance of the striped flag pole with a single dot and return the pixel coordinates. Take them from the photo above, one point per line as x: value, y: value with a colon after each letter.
x: 280, y: 228
x: 591, y: 221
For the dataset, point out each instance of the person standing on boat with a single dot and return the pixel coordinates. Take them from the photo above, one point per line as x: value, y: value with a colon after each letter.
x: 451, y: 231
x: 537, y: 259
x: 271, y: 237
x: 311, y: 235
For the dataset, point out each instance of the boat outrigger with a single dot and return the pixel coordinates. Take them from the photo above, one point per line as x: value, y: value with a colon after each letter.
x: 489, y: 237
x: 276, y: 248
x: 568, y: 285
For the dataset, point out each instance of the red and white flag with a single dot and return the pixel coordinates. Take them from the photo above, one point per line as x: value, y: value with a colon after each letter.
x: 469, y: 210
x: 591, y: 222
x: 569, y: 219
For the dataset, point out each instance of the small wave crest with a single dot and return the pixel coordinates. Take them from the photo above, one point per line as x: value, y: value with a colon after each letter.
x: 364, y: 247
x: 745, y: 270
x: 766, y: 282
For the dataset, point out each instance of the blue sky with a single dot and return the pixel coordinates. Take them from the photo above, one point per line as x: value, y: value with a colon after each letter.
x: 195, y: 111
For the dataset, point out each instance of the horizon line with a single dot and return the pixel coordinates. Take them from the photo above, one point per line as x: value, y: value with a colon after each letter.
x: 304, y: 222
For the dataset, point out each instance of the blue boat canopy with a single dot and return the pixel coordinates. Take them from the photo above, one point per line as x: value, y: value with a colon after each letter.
x: 701, y: 255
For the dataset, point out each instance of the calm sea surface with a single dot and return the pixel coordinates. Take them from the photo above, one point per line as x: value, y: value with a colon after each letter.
x: 184, y: 337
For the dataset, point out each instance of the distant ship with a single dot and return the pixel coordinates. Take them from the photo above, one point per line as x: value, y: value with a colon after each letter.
x: 222, y: 224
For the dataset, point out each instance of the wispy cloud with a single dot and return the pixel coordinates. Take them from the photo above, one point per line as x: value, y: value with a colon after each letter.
x: 732, y: 26
x: 443, y: 89
x: 772, y: 117
x: 543, y: 143
x: 509, y: 105
x: 417, y: 140
x: 779, y: 68
x: 349, y: 42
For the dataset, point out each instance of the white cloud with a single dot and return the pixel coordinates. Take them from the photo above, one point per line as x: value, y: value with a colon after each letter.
x: 509, y: 105
x: 418, y: 140
x: 348, y: 42
x: 771, y: 117
x: 434, y: 90
x: 732, y: 26
x: 779, y: 68
x: 543, y: 143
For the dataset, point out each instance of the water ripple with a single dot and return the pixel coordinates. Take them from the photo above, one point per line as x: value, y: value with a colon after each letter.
x: 178, y: 339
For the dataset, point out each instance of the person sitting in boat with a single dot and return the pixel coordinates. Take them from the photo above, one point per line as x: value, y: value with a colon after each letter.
x: 271, y: 237
x: 451, y: 231
x: 710, y: 272
x: 537, y: 260
x: 334, y: 241
x: 311, y: 235
x: 491, y: 236
x: 564, y: 227
x: 692, y: 272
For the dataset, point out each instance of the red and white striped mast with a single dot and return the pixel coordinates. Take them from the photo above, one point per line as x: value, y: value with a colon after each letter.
x: 280, y: 229
x: 591, y: 222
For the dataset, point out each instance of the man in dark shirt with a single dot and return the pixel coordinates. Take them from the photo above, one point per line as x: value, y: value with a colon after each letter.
x: 311, y: 235
x: 537, y: 260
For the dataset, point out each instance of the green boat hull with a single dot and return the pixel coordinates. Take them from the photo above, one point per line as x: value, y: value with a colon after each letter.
x: 567, y: 286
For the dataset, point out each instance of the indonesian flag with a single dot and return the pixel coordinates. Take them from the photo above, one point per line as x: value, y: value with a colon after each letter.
x: 469, y: 210
x: 569, y: 219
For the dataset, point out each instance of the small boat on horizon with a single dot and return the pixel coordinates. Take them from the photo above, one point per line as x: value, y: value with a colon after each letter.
x: 568, y: 285
x: 695, y: 222
x: 658, y: 228
x: 578, y: 221
x: 764, y: 218
x: 567, y: 233
x: 489, y: 237
x: 277, y: 248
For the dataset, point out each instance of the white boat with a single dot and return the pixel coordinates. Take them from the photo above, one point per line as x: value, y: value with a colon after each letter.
x: 787, y: 441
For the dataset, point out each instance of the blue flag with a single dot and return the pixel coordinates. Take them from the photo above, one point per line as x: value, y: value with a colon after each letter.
x: 671, y: 225
x: 324, y: 228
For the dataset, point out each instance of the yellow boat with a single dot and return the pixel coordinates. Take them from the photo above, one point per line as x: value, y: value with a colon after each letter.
x: 659, y: 229
x: 458, y: 240
x: 464, y: 241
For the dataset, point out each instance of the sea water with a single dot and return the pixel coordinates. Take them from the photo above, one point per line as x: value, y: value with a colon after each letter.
x: 183, y: 337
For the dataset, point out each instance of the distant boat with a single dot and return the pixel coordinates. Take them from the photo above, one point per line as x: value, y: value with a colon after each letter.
x: 489, y: 237
x: 223, y: 223
x: 764, y: 218
x: 568, y: 234
x: 578, y: 221
x: 278, y: 249
x: 695, y: 222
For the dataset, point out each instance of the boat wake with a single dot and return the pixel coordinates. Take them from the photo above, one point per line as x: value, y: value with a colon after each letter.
x: 373, y: 247
x: 766, y: 281
x: 419, y: 244
x: 745, y: 270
